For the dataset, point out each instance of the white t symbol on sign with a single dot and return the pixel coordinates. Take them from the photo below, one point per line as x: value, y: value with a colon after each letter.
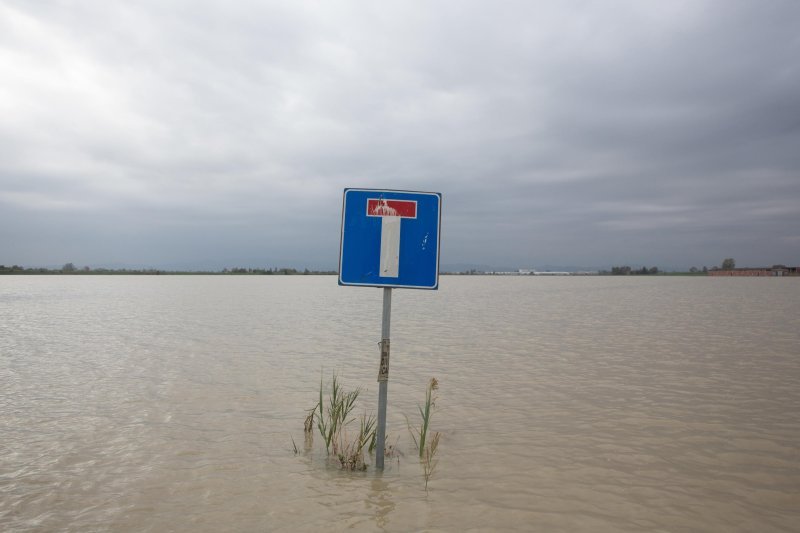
x: 391, y: 212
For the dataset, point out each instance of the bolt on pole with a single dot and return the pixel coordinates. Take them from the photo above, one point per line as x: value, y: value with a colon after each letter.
x: 383, y: 378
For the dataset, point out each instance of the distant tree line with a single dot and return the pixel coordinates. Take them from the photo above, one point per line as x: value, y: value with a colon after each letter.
x: 16, y: 269
x: 71, y: 269
x: 277, y: 271
x: 727, y: 264
x: 628, y: 271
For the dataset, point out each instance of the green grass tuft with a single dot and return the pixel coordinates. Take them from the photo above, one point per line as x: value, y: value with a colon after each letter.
x: 426, y: 442
x: 332, y: 420
x: 420, y: 435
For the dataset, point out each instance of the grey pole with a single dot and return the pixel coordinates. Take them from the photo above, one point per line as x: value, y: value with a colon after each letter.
x: 383, y: 378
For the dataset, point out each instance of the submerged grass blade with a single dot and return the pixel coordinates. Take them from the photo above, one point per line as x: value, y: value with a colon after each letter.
x: 426, y: 412
x: 428, y: 461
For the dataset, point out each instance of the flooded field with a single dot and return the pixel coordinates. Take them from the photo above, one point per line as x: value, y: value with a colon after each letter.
x: 565, y: 404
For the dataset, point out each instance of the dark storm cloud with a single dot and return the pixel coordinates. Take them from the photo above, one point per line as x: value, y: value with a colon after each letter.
x: 586, y: 133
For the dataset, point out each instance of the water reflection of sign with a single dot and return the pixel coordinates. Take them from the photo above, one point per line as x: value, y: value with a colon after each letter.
x: 390, y: 239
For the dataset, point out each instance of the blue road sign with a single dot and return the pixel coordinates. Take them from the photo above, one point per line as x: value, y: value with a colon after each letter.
x: 390, y: 239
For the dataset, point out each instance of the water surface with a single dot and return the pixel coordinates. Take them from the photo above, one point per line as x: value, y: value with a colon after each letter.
x: 566, y: 404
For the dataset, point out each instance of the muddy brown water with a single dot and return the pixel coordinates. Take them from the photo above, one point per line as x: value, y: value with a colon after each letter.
x: 148, y: 403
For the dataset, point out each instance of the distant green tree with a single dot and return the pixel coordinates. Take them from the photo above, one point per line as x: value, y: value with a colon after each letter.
x: 68, y: 267
x: 693, y: 270
x: 728, y: 264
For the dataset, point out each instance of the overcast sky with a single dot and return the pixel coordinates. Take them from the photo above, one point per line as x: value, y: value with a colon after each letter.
x: 200, y: 134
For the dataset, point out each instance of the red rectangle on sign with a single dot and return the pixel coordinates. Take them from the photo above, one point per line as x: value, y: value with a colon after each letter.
x: 378, y: 207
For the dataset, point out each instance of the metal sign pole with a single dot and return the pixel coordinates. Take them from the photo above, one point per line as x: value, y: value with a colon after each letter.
x: 383, y: 378
x: 374, y: 252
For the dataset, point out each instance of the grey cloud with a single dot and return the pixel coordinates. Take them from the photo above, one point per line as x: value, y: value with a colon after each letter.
x: 580, y: 132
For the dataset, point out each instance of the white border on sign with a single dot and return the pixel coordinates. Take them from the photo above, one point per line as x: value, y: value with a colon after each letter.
x: 390, y: 285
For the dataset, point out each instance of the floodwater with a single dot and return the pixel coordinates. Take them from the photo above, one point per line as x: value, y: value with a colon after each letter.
x: 565, y: 404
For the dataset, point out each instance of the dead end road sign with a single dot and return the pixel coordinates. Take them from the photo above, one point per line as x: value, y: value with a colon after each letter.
x: 390, y: 239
